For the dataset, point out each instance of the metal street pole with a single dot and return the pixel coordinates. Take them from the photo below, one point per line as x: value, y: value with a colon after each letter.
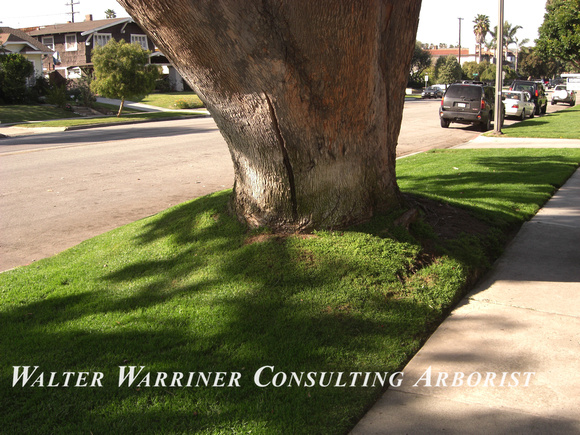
x: 498, y: 72
x: 460, y: 39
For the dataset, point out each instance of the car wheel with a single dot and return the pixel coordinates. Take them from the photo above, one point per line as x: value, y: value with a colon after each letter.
x: 523, y: 117
x: 533, y: 113
x: 573, y: 103
x: 445, y: 123
x: 553, y: 102
x: 544, y: 109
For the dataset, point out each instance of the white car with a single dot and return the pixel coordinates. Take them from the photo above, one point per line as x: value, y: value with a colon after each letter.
x: 562, y: 95
x: 519, y: 105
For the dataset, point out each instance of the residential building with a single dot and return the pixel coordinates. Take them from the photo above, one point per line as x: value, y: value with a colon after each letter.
x: 73, y: 44
x: 17, y: 41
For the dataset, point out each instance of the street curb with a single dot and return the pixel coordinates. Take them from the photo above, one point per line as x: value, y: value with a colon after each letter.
x: 112, y: 124
x: 89, y: 126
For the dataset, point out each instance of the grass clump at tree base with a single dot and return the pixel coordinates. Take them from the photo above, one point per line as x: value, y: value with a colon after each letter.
x: 191, y: 290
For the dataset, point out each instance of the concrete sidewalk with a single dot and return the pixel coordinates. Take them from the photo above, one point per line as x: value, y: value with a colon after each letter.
x: 149, y: 108
x: 522, y: 320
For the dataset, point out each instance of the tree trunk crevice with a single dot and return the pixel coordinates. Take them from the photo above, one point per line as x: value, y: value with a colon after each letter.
x: 285, y: 157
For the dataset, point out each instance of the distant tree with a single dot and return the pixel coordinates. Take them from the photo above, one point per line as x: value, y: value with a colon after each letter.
x: 474, y: 70
x: 560, y: 32
x: 509, y: 36
x: 122, y: 71
x: 448, y: 70
x: 531, y: 64
x: 489, y: 74
x: 480, y: 29
x: 15, y: 71
x: 420, y: 62
x: 110, y: 13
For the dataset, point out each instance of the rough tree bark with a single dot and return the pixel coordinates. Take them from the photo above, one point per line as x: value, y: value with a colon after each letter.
x: 308, y: 95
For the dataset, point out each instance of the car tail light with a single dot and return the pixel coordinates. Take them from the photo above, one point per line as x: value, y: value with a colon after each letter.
x: 536, y: 92
x: 482, y: 104
x: 515, y: 106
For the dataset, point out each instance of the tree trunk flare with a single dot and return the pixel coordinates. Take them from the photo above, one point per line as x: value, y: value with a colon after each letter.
x: 308, y: 95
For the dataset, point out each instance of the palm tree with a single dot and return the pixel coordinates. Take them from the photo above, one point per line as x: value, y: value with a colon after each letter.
x: 509, y: 36
x: 480, y: 29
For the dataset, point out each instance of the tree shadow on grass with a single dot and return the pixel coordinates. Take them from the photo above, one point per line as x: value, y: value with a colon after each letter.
x: 506, y: 191
x: 194, y: 296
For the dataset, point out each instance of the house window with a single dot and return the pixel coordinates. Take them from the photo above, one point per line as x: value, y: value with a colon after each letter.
x: 101, y: 39
x: 48, y: 41
x: 73, y: 73
x: 70, y: 43
x: 141, y: 40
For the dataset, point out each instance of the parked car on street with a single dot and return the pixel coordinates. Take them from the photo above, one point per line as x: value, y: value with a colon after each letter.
x: 536, y: 91
x: 432, y: 92
x: 518, y: 104
x: 468, y: 104
x: 562, y: 95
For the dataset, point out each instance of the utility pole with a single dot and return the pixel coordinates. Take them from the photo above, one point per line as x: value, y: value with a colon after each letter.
x: 498, y: 73
x: 460, y: 19
x: 72, y: 10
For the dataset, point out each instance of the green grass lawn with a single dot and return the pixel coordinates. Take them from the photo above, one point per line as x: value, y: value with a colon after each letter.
x: 169, y: 99
x: 130, y: 117
x: 191, y: 290
x: 23, y: 113
x: 564, y: 124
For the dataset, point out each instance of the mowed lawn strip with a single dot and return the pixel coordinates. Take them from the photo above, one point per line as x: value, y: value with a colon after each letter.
x: 191, y: 290
x: 168, y: 100
x: 564, y: 124
x: 25, y: 113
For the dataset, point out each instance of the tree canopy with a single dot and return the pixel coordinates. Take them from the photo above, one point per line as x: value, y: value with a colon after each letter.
x: 15, y: 70
x: 560, y: 32
x: 448, y: 70
x: 420, y: 62
x: 122, y: 71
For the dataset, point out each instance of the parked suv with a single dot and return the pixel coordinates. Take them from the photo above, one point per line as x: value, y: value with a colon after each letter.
x: 536, y: 91
x: 468, y: 103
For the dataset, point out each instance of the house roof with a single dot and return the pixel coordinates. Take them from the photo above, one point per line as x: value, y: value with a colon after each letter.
x: 449, y: 51
x: 10, y: 36
x: 84, y: 27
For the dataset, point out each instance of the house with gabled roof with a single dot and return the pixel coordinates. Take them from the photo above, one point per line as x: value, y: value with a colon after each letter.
x: 17, y: 41
x: 73, y: 44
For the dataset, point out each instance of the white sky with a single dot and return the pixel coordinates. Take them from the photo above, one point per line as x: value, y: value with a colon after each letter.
x: 438, y: 22
x: 29, y: 13
x: 439, y: 19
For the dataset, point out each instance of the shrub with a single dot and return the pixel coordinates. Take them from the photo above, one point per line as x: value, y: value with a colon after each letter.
x: 187, y: 104
x: 58, y: 96
x: 15, y: 70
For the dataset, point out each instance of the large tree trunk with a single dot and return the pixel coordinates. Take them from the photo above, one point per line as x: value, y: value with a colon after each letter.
x: 308, y: 95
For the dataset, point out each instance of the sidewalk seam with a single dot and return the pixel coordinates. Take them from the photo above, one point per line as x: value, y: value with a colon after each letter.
x: 492, y: 302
